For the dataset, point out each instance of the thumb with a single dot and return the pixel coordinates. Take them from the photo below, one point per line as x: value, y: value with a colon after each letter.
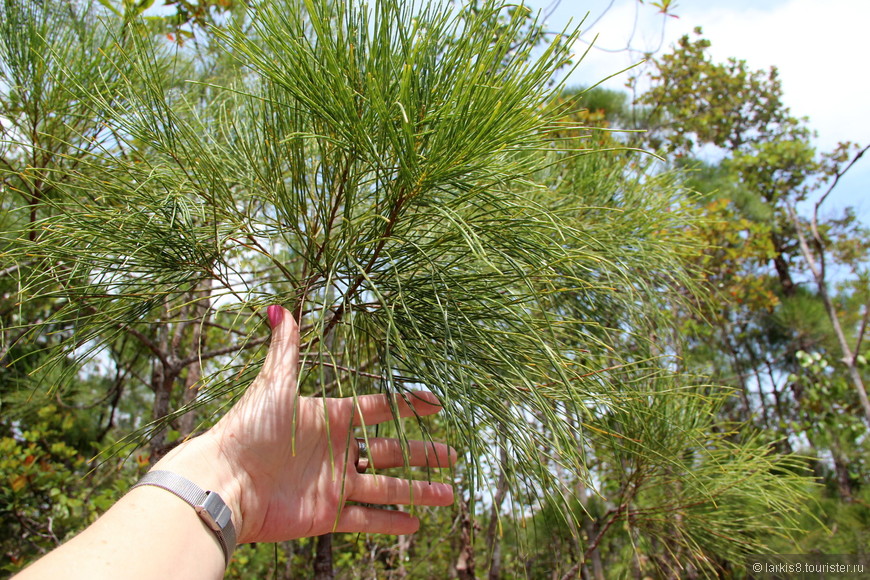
x: 282, y: 360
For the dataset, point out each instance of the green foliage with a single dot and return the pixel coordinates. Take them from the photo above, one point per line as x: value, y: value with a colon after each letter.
x: 49, y: 492
x: 673, y: 487
x: 831, y: 411
x: 836, y: 527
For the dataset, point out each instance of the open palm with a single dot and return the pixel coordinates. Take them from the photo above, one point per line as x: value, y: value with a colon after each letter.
x: 295, y: 457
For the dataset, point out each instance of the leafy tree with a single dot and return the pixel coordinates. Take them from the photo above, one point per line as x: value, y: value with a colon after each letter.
x: 768, y: 166
x: 780, y: 312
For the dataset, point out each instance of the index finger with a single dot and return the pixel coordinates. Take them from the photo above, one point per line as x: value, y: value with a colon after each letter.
x: 282, y: 360
x: 374, y: 409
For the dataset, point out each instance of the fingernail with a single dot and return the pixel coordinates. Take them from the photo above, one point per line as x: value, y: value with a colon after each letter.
x: 276, y: 315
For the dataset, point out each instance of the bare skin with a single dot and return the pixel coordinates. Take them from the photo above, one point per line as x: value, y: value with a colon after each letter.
x: 282, y: 481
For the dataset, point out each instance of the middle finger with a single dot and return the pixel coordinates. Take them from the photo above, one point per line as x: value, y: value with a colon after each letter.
x: 385, y: 453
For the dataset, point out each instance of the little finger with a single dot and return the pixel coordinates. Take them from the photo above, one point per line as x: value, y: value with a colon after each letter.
x: 359, y: 519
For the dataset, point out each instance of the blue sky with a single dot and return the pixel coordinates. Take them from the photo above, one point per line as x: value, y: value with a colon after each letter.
x: 817, y: 46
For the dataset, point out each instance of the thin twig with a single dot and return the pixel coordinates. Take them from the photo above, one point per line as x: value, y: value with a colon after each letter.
x: 837, y: 177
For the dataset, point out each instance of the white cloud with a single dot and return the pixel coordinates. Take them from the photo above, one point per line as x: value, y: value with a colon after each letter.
x: 818, y: 49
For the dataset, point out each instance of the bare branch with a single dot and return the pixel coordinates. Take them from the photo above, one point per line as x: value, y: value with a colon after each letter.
x: 221, y: 351
x: 358, y: 372
x: 849, y: 357
x: 146, y: 342
x: 861, y: 332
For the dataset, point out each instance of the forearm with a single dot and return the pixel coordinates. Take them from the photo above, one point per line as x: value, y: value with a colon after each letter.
x: 285, y: 465
x: 149, y: 533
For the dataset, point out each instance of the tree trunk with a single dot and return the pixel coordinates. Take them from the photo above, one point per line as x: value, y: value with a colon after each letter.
x: 465, y: 561
x: 493, y: 542
x: 187, y: 422
x: 781, y: 265
x: 597, y: 572
x: 841, y: 468
x: 323, y: 558
x: 162, y: 380
x: 403, y: 546
x: 198, y: 311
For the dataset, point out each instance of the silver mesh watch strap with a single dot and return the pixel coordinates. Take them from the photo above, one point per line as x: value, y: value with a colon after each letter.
x: 208, y: 504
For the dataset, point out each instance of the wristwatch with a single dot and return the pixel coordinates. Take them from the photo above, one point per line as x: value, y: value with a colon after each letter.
x: 208, y: 504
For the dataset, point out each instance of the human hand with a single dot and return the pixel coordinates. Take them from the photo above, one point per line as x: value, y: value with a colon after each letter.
x: 285, y: 464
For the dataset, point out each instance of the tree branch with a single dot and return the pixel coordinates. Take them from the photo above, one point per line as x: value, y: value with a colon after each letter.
x: 221, y: 351
x: 849, y: 357
x: 146, y: 342
x: 354, y: 287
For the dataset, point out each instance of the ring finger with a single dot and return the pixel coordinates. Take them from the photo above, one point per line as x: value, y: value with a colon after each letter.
x: 384, y: 490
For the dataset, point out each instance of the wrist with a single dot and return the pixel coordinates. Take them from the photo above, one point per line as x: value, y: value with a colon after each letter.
x: 200, y: 460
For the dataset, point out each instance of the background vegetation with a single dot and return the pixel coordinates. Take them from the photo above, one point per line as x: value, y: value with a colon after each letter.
x: 653, y: 363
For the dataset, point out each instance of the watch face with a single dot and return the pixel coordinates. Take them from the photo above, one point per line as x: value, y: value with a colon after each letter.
x: 208, y: 505
x: 214, y: 511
